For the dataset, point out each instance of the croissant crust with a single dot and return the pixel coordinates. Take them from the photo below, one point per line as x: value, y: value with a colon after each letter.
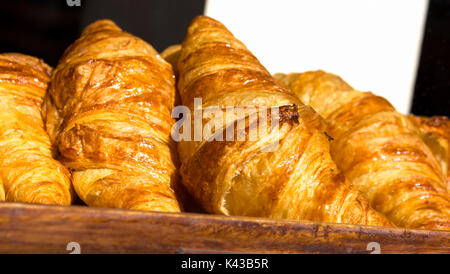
x: 109, y: 115
x: 28, y: 173
x: 435, y: 132
x: 379, y: 150
x: 296, y: 178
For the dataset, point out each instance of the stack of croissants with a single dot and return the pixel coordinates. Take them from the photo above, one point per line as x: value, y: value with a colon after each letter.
x: 98, y: 127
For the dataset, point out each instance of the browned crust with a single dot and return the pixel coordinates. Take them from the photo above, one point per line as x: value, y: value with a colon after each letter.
x: 435, y: 131
x: 109, y: 114
x: 380, y: 150
x: 297, y: 178
x: 28, y: 172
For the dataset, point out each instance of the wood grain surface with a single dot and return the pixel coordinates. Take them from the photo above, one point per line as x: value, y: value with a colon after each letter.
x: 28, y: 228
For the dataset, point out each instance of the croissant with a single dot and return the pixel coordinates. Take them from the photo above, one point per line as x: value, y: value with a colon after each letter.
x: 287, y: 172
x: 379, y: 150
x: 109, y: 115
x: 435, y: 132
x: 28, y: 173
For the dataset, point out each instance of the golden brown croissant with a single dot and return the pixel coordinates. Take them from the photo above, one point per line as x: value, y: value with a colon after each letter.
x: 379, y: 150
x: 295, y: 180
x: 28, y: 172
x: 109, y: 113
x: 435, y: 132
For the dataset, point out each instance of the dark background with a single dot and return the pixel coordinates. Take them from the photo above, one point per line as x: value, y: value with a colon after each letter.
x: 432, y: 89
x: 45, y: 28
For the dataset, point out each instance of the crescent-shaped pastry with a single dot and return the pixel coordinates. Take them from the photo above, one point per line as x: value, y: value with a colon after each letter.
x: 287, y: 171
x: 28, y: 173
x: 109, y: 114
x: 379, y: 150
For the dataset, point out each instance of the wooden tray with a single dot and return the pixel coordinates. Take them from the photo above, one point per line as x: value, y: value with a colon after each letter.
x: 28, y: 228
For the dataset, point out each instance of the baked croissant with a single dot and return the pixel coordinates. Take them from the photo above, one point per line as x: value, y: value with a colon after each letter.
x: 435, y: 132
x: 287, y: 172
x: 379, y: 150
x: 28, y: 173
x: 109, y: 114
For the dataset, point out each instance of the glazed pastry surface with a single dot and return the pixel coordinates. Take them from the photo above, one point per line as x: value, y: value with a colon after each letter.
x: 287, y: 171
x: 109, y: 115
x: 379, y: 150
x: 28, y: 173
x: 435, y: 132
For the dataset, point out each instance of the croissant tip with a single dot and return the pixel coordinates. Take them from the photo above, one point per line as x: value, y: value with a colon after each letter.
x: 27, y: 60
x: 101, y: 25
x: 203, y: 18
x: 433, y: 121
x: 203, y: 21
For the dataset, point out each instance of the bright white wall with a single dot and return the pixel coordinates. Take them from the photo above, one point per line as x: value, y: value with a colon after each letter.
x: 373, y: 44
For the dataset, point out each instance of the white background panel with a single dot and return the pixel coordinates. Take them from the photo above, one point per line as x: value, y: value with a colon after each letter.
x: 373, y: 44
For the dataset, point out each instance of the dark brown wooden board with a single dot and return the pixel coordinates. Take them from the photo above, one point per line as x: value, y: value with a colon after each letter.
x: 28, y: 228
